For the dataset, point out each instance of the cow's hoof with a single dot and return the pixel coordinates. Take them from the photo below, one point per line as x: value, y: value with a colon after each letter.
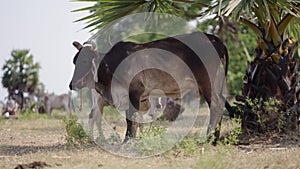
x: 126, y: 139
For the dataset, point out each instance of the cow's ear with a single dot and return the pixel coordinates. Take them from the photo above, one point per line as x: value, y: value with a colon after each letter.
x: 77, y: 45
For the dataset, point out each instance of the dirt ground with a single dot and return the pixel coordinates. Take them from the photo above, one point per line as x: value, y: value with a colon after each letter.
x: 42, y: 140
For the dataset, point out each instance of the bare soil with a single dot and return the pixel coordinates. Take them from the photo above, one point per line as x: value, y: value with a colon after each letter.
x: 40, y: 143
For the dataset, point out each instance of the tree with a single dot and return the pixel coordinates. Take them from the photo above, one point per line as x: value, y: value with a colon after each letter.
x: 270, y: 96
x: 270, y: 93
x: 20, y: 74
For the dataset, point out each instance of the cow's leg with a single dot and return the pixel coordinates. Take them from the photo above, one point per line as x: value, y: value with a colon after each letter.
x: 136, y: 88
x: 68, y: 110
x: 67, y: 107
x: 91, y: 122
x: 132, y: 125
x: 214, y: 127
x: 69, y: 104
x: 92, y: 114
x: 96, y: 113
x: 95, y: 116
x: 140, y: 125
x: 98, y: 116
x: 49, y: 111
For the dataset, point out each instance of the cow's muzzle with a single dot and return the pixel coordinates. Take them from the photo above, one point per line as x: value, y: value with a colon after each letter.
x: 73, y: 86
x: 70, y: 86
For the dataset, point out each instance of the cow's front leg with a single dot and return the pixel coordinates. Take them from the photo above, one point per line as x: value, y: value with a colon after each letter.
x: 132, y: 125
x: 91, y: 123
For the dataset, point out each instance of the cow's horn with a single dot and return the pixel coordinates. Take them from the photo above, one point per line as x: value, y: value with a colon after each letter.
x: 77, y: 45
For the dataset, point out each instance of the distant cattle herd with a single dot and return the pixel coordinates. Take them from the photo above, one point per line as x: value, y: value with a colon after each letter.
x: 10, y: 108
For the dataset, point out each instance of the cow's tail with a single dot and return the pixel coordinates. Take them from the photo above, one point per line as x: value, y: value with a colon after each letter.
x: 228, y: 107
x: 226, y: 60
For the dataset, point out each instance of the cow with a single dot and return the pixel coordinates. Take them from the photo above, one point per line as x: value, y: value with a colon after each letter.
x: 134, y: 96
x: 12, y: 109
x: 57, y: 102
x: 1, y: 107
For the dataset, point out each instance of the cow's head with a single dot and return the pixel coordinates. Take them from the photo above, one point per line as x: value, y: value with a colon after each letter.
x: 83, y: 75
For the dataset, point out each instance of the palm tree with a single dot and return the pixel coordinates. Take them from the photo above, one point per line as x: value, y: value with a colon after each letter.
x: 20, y: 74
x: 270, y: 94
x: 270, y: 97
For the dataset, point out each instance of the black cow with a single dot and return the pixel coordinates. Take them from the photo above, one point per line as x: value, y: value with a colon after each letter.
x: 128, y: 88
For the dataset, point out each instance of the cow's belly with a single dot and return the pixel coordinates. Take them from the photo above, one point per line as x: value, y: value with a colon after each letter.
x: 167, y: 88
x: 173, y: 77
x: 58, y: 103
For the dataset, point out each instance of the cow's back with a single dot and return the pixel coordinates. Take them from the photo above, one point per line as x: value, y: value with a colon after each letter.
x: 57, y: 102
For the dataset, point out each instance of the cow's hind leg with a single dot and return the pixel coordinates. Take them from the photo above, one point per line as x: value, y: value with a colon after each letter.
x: 213, y: 132
x: 132, y: 125
x: 140, y: 120
x: 95, y: 116
x: 135, y: 91
x: 214, y: 127
x: 98, y: 120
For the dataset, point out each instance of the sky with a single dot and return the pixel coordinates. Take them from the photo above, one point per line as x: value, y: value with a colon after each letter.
x: 47, y: 29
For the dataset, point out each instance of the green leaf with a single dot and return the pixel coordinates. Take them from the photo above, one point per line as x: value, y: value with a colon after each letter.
x: 273, y: 33
x: 252, y: 26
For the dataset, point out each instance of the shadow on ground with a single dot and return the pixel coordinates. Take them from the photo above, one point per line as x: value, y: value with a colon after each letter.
x: 18, y: 150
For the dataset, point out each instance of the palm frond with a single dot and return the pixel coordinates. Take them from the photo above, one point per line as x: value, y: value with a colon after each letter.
x: 272, y: 33
x: 252, y: 26
x: 271, y: 16
x: 104, y: 12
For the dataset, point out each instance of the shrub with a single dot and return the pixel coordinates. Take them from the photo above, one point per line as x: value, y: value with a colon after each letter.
x: 262, y: 115
x: 234, y: 134
x: 75, y: 133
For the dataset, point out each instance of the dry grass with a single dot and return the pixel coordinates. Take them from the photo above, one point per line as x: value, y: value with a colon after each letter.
x: 24, y: 141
